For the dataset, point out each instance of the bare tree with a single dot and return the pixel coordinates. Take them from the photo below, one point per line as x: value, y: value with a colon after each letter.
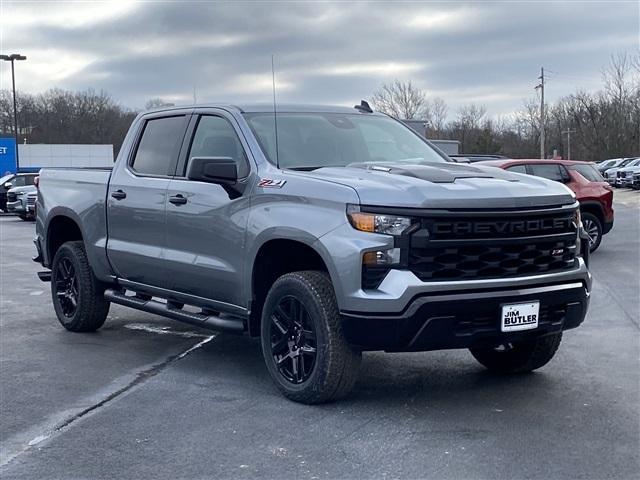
x: 59, y: 116
x: 401, y: 100
x: 437, y: 116
x: 157, y: 103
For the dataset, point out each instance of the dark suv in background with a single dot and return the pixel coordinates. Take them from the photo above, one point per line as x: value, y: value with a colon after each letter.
x: 583, y: 178
x: 12, y: 180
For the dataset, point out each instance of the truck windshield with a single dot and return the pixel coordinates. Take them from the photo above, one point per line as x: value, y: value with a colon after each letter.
x: 313, y: 140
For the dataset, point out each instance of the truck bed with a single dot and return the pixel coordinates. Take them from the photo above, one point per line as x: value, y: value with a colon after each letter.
x: 79, y: 193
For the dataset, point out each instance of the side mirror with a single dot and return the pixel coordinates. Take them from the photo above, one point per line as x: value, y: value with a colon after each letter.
x: 8, y: 185
x: 221, y: 170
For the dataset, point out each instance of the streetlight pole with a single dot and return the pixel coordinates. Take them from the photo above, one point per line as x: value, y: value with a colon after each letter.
x: 12, y: 58
x: 569, y: 132
x: 541, y: 87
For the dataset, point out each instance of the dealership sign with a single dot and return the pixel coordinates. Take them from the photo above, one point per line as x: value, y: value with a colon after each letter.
x: 7, y: 155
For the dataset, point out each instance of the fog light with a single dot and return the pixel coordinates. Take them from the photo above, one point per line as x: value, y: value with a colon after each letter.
x: 382, y: 257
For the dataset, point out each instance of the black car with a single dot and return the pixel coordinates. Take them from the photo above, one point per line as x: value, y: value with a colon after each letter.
x: 13, y: 180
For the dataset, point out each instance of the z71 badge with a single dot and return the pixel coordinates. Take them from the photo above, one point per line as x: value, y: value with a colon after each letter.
x: 269, y: 183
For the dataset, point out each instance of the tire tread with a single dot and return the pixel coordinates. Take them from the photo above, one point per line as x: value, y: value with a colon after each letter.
x: 92, y: 307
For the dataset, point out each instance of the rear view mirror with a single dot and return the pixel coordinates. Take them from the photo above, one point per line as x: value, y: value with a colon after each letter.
x: 221, y: 170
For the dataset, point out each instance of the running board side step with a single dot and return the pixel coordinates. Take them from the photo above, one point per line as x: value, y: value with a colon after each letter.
x: 166, y: 310
x: 45, y: 275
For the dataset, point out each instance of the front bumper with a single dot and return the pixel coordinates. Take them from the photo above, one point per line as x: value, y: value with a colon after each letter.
x: 466, y: 320
x: 626, y: 182
x: 16, y: 207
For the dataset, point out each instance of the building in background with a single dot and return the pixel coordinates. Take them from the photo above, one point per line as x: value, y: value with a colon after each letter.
x: 35, y: 156
x: 450, y: 147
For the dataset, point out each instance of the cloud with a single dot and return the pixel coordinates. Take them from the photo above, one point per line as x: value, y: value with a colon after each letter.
x: 488, y: 52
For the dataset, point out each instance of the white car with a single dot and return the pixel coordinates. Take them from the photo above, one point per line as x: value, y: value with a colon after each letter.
x: 624, y: 176
x: 17, y: 201
x: 606, y: 164
x: 611, y: 174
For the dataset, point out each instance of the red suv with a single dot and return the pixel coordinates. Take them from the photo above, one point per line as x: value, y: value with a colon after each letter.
x: 592, y: 191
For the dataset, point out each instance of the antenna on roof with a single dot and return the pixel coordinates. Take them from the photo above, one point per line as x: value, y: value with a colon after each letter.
x: 363, y: 107
x: 275, y: 112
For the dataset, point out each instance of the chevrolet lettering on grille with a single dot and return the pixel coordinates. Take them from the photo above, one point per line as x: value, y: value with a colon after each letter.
x: 503, y: 227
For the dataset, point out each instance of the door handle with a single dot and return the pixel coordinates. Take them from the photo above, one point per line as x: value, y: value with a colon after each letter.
x: 118, y: 195
x: 178, y: 199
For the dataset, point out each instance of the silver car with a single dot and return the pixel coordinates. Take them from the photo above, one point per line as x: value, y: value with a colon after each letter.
x: 18, y: 201
x: 624, y: 176
x: 611, y: 174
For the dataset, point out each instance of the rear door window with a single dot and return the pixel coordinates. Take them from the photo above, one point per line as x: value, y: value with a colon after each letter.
x: 518, y: 168
x: 159, y: 146
x: 589, y: 172
x: 551, y: 171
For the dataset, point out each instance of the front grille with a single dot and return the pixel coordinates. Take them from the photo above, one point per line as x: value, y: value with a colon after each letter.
x: 482, y: 261
x: 31, y: 201
x: 479, y: 245
x: 493, y: 246
x: 622, y: 174
x: 12, y: 197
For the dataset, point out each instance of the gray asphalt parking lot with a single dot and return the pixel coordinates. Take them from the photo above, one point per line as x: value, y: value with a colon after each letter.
x: 146, y: 397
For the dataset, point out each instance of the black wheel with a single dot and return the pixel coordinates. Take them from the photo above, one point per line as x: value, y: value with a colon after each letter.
x: 519, y: 357
x: 593, y: 228
x: 78, y: 296
x: 304, y: 348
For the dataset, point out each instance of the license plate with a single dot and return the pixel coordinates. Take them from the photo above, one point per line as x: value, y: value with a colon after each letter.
x: 520, y: 316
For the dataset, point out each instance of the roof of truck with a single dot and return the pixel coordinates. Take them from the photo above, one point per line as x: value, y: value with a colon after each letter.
x: 268, y: 108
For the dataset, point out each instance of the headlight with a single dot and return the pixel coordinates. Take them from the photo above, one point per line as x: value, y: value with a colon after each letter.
x: 378, y: 223
x: 577, y: 219
x: 19, y: 193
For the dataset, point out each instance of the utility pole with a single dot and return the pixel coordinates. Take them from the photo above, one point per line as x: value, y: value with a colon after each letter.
x: 12, y: 58
x: 541, y: 87
x: 569, y: 132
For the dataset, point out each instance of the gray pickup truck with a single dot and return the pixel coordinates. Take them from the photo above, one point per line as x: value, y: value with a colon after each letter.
x: 324, y: 231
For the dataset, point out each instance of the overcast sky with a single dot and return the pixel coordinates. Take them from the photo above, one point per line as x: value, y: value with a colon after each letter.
x: 330, y: 53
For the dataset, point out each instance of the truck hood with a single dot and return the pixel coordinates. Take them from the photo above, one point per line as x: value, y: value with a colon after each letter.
x: 445, y: 185
x: 23, y: 189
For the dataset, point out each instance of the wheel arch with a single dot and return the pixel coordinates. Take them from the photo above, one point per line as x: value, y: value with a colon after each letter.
x: 62, y: 226
x: 276, y: 256
x: 593, y: 208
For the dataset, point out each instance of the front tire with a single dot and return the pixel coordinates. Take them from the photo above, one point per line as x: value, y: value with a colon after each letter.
x: 78, y: 296
x: 593, y: 227
x: 303, y: 345
x: 519, y: 357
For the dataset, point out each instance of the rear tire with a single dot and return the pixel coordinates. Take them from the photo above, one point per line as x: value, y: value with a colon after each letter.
x: 78, y: 296
x: 303, y: 345
x: 519, y: 357
x: 593, y: 227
